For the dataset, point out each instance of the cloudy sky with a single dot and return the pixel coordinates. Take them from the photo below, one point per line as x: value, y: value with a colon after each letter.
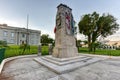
x: 42, y: 12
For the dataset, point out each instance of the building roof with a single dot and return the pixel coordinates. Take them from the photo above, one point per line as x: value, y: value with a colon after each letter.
x: 18, y: 29
x: 113, y: 43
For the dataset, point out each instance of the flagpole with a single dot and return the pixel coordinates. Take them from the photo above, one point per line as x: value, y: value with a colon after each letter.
x: 27, y: 37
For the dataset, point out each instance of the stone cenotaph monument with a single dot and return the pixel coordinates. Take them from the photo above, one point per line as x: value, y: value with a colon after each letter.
x: 65, y: 56
x: 65, y: 43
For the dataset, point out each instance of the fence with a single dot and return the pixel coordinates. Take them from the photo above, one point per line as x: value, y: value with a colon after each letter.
x: 2, y: 51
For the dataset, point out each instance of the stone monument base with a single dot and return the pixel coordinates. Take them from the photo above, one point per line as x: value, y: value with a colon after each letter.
x: 65, y: 65
x: 65, y: 52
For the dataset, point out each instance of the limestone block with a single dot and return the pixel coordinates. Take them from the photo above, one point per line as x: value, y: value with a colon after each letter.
x: 65, y: 43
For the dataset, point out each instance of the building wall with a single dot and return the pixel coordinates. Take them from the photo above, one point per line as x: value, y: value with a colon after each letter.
x: 15, y: 35
x: 113, y: 43
x: 6, y: 35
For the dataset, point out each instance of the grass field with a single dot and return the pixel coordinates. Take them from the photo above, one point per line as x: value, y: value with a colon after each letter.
x: 101, y: 52
x: 14, y: 50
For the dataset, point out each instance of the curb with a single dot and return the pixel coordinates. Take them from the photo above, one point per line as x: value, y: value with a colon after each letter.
x: 102, y: 56
x: 12, y: 58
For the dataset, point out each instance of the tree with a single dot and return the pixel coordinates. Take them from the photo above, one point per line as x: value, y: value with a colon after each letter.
x: 45, y: 39
x: 93, y: 25
x: 3, y: 43
x: 85, y: 42
x: 78, y: 43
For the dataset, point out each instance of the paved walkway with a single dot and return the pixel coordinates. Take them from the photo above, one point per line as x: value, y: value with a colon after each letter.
x: 28, y: 69
x: 104, y: 70
x: 25, y: 69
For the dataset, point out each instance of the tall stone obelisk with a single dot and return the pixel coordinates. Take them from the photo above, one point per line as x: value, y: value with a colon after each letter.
x: 65, y: 43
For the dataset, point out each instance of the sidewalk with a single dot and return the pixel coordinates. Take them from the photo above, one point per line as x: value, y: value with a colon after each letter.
x: 25, y: 69
x: 28, y: 69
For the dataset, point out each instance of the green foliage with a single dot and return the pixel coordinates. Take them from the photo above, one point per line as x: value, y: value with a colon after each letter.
x: 45, y: 40
x: 85, y: 42
x: 24, y: 47
x: 3, y: 43
x: 45, y: 50
x: 107, y: 25
x: 78, y: 43
x: 93, y: 25
x: 118, y: 48
x: 15, y: 50
x: 100, y: 52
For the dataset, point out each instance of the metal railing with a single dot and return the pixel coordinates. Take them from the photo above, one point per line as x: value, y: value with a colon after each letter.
x: 2, y: 51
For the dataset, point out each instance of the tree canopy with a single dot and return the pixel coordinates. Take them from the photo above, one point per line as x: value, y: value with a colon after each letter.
x: 93, y: 25
x: 45, y: 39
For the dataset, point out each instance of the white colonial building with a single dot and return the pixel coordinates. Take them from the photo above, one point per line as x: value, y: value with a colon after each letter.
x: 17, y: 36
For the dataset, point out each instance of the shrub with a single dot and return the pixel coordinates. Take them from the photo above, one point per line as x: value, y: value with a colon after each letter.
x: 118, y: 48
x: 3, y: 43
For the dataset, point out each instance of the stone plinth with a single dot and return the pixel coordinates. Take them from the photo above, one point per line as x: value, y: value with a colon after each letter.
x: 65, y: 52
x: 65, y: 65
x: 65, y: 43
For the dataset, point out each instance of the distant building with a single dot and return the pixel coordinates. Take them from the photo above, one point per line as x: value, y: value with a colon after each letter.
x: 17, y: 36
x: 113, y: 43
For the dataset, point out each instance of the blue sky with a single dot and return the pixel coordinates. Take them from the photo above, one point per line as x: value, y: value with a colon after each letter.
x: 42, y: 12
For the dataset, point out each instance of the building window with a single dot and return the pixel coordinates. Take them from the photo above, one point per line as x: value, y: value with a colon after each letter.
x: 33, y: 36
x: 5, y: 33
x: 23, y: 35
x: 12, y: 34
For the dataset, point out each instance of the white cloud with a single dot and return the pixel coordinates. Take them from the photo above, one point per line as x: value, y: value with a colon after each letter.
x: 115, y: 37
x: 20, y: 24
x: 81, y: 37
x: 11, y: 22
x: 50, y: 33
x: 45, y: 31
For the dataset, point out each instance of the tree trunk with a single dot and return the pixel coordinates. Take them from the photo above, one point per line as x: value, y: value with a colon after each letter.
x: 93, y: 42
x: 89, y: 43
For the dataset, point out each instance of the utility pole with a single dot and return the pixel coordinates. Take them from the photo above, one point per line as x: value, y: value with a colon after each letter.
x: 27, y: 35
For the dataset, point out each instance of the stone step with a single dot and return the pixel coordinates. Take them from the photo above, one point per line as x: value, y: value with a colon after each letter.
x: 63, y: 59
x: 84, y: 59
x: 67, y: 67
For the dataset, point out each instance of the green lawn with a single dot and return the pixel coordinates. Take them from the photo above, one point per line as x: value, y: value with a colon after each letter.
x: 14, y: 50
x: 45, y: 50
x: 101, y: 52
